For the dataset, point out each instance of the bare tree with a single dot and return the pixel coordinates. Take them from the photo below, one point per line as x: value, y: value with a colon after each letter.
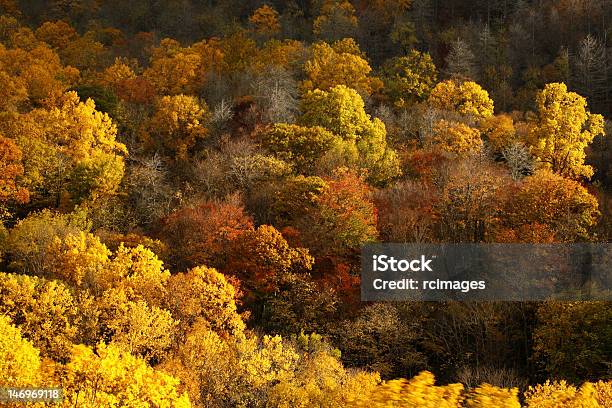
x: 590, y: 70
x: 460, y: 61
x: 519, y: 160
x: 148, y: 189
x: 276, y: 92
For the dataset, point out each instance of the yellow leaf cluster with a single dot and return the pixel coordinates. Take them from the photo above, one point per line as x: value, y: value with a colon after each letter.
x: 39, y: 71
x: 204, y: 293
x: 19, y: 359
x: 46, y: 311
x: 561, y: 394
x: 341, y: 111
x: 562, y: 130
x: 69, y: 149
x: 466, y: 98
x: 419, y: 391
x: 77, y: 259
x: 177, y: 70
x: 265, y: 21
x: 178, y: 122
x: 499, y: 131
x: 113, y: 75
x: 110, y: 377
x: 340, y: 63
x: 456, y: 137
x: 487, y: 395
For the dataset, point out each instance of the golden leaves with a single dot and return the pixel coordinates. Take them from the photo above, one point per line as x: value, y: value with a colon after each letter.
x: 562, y: 130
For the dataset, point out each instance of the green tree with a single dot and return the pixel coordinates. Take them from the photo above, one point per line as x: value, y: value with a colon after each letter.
x: 300, y: 145
x: 341, y: 111
x: 409, y: 79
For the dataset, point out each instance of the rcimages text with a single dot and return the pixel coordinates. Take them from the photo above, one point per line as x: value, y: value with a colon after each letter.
x: 384, y: 263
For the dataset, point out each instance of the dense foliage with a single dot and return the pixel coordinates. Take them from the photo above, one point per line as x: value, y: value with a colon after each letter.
x: 185, y: 187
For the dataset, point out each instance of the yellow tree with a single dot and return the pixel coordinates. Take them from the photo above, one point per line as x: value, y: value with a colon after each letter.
x: 320, y: 379
x: 13, y: 92
x: 561, y: 394
x: 133, y: 325
x: 466, y: 98
x: 239, y: 51
x: 178, y: 122
x: 229, y: 371
x: 562, y: 129
x: 56, y: 33
x: 487, y: 395
x: 83, y: 261
x: 206, y: 364
x: 265, y: 21
x: 289, y: 54
x: 456, y: 137
x: 340, y: 63
x: 341, y: 111
x: 45, y: 310
x: 204, y: 293
x: 78, y: 259
x: 85, y: 53
x: 173, y: 69
x: 114, y: 75
x: 409, y: 79
x: 19, y: 359
x: 300, y: 145
x: 419, y: 391
x: 30, y: 238
x: 39, y: 69
x: 70, y: 150
x: 499, y: 132
x: 137, y: 270
x: 111, y: 377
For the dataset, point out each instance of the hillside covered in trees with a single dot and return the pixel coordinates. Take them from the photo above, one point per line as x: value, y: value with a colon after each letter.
x: 185, y: 187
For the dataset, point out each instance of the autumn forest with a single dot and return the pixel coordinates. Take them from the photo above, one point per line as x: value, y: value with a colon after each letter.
x: 186, y: 186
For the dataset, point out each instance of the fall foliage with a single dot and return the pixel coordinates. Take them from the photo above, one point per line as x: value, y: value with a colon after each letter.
x: 186, y: 186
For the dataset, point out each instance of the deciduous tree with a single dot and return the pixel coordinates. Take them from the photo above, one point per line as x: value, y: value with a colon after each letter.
x: 456, y: 137
x: 300, y: 145
x: 11, y: 169
x: 563, y: 207
x: 562, y: 129
x: 203, y: 293
x: 336, y: 20
x: 19, y: 359
x: 265, y: 21
x: 465, y: 98
x: 45, y: 310
x: 341, y: 111
x: 409, y: 79
x: 109, y: 376
x: 339, y: 63
x: 178, y: 123
x: 199, y: 234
